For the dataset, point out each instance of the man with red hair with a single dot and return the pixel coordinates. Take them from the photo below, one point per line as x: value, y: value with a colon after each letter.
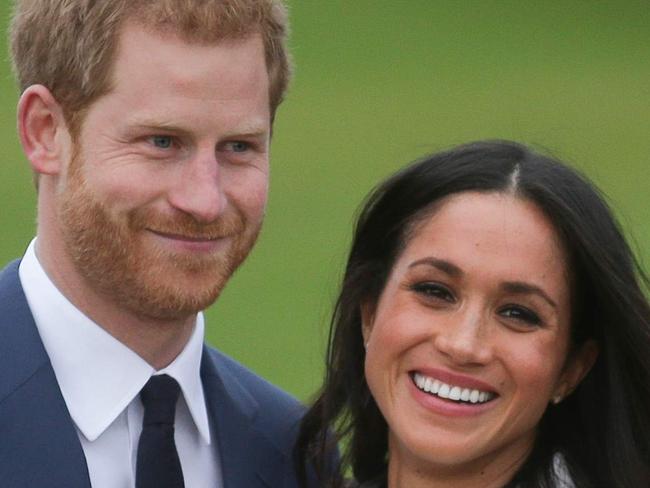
x: 147, y: 126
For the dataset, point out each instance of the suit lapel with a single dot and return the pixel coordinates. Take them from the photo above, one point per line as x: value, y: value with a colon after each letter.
x: 38, y: 442
x: 248, y: 457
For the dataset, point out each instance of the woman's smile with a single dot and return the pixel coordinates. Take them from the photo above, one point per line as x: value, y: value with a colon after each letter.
x: 452, y: 392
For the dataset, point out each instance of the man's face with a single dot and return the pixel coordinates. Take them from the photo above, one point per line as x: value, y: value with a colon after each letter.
x: 165, y: 194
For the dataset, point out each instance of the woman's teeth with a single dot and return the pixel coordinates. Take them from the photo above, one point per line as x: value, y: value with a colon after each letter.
x: 450, y: 392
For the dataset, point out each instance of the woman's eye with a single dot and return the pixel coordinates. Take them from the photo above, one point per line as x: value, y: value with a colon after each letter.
x: 521, y: 314
x: 161, y: 142
x: 433, y: 290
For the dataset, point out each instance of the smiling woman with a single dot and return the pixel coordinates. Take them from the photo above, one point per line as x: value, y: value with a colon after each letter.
x: 469, y: 340
x: 488, y: 323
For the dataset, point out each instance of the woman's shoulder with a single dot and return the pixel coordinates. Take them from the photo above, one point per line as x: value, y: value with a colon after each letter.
x: 376, y: 483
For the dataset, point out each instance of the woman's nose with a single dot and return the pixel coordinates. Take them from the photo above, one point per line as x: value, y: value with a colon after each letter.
x: 464, y: 338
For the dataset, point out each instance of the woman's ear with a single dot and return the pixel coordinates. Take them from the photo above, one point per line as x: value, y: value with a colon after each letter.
x: 367, y: 320
x: 42, y: 130
x: 577, y: 367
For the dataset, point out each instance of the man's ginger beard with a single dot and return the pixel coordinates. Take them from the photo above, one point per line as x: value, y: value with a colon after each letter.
x: 111, y: 254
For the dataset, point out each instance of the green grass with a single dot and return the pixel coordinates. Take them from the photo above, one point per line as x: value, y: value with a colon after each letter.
x: 378, y: 85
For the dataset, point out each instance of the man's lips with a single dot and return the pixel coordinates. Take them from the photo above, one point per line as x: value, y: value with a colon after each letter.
x: 202, y: 244
x: 185, y: 237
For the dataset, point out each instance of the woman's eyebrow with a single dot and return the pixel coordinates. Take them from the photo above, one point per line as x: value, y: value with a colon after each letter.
x: 514, y: 287
x: 445, y: 266
x: 522, y: 288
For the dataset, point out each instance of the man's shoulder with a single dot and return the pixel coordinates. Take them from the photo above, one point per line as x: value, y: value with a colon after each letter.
x: 265, y: 391
x: 9, y: 277
x: 253, y: 418
x: 274, y: 407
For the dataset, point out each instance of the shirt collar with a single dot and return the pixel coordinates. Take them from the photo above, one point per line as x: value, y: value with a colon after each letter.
x: 97, y: 374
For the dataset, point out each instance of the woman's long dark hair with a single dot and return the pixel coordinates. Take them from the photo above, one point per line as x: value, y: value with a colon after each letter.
x: 602, y: 430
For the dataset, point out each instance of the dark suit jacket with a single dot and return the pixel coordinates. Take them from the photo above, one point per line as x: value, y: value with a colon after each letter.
x: 253, y: 422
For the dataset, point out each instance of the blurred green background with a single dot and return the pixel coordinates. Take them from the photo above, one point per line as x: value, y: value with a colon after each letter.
x: 379, y: 83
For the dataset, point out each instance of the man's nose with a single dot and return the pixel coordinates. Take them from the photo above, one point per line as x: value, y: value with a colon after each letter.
x: 199, y: 190
x: 465, y: 338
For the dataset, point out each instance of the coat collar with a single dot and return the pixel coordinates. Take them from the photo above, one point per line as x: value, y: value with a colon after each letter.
x: 40, y: 446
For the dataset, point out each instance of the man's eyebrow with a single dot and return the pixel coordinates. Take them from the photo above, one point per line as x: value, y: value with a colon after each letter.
x: 156, y: 125
x: 247, y: 133
x: 522, y: 288
x: 245, y: 130
x: 249, y: 129
x: 445, y: 266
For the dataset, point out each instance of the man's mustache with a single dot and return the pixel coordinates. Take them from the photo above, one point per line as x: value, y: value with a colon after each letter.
x: 186, y: 226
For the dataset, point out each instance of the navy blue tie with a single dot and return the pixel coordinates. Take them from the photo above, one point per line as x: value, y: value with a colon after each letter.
x: 158, y: 465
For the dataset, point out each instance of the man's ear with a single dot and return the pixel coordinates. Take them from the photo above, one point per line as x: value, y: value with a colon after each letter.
x: 42, y: 130
x: 367, y: 319
x: 577, y: 367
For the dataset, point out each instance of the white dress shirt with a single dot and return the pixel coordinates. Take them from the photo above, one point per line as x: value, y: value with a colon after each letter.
x: 100, y: 379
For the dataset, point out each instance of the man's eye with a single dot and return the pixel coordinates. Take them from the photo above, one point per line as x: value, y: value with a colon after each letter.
x: 239, y: 146
x: 521, y: 314
x: 433, y: 290
x: 161, y: 142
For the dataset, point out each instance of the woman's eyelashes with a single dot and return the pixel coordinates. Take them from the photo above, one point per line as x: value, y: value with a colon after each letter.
x: 433, y: 290
x: 522, y: 315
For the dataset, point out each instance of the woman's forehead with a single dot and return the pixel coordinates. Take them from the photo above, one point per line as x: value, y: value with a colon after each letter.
x: 488, y: 229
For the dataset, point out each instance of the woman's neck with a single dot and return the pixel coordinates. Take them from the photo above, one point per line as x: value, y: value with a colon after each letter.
x: 402, y: 478
x: 492, y: 473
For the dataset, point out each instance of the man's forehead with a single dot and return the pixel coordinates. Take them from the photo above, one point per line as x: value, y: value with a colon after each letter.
x: 194, y: 69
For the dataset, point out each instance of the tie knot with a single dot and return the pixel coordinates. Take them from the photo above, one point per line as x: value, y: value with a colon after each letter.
x: 159, y: 397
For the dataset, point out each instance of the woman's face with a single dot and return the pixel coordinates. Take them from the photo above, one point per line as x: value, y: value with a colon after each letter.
x: 468, y: 342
